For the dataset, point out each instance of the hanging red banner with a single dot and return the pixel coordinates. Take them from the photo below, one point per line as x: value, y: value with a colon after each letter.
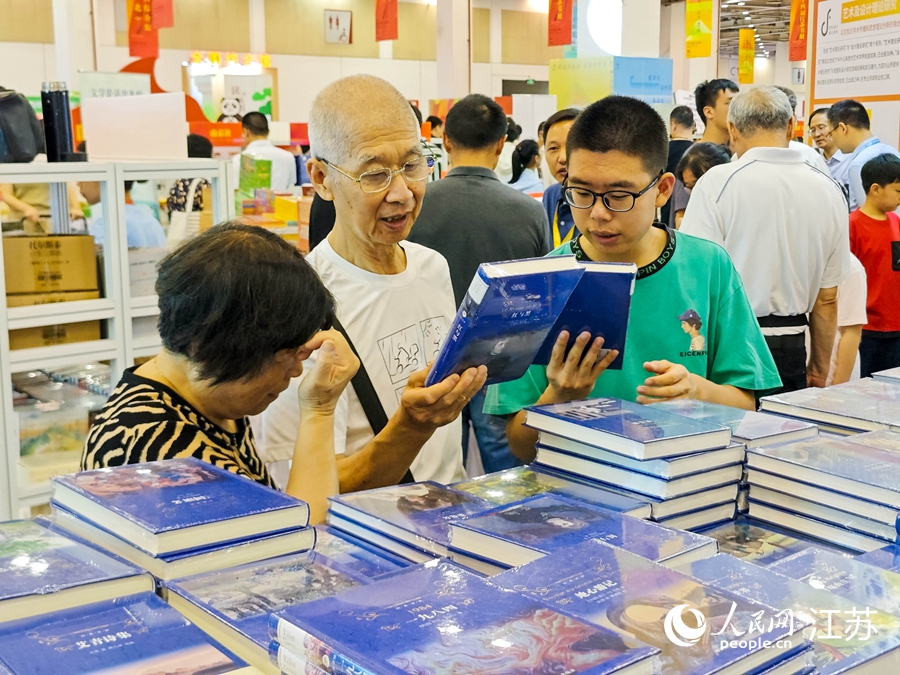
x: 143, y: 38
x: 799, y: 20
x: 385, y: 20
x: 163, y: 14
x: 559, y: 23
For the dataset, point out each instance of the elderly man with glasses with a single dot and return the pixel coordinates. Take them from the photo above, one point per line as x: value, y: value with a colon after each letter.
x: 394, y: 299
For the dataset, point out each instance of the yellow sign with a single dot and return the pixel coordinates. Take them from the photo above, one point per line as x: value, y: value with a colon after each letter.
x: 860, y: 10
x: 580, y: 82
x: 698, y: 22
x: 746, y: 54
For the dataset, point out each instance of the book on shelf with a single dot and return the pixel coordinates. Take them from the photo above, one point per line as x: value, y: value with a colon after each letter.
x: 635, y: 597
x: 891, y: 375
x: 177, y: 504
x: 418, y: 514
x: 865, y: 584
x: 599, y: 305
x: 837, y: 500
x: 135, y: 634
x: 819, y: 511
x: 836, y: 464
x: 634, y: 481
x: 753, y: 429
x: 849, y: 539
x: 42, y: 570
x: 233, y: 605
x: 477, y: 564
x: 356, y: 555
x: 861, y: 405
x: 697, y: 520
x: 512, y: 485
x: 524, y: 531
x: 761, y: 543
x: 841, y: 642
x: 375, y: 537
x: 627, y: 428
x: 495, y: 631
x: 505, y: 317
x: 183, y: 564
x: 666, y: 468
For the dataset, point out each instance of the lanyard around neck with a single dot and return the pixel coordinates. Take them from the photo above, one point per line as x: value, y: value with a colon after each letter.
x: 557, y: 239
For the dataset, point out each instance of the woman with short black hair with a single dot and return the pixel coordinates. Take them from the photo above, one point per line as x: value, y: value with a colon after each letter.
x: 240, y: 310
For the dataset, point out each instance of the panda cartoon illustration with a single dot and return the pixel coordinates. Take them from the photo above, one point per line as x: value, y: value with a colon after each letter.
x: 231, y: 110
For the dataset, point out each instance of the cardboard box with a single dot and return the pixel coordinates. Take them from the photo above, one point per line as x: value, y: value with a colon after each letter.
x: 58, y: 262
x: 291, y: 208
x: 60, y: 334
x: 28, y: 299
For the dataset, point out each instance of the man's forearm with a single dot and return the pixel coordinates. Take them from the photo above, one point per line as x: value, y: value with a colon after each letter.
x: 822, y: 329
x: 314, y: 476
x: 521, y: 439
x: 723, y: 394
x: 386, y: 458
x: 848, y: 349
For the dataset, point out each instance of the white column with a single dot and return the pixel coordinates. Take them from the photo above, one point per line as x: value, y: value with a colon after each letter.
x: 63, y: 43
x: 783, y: 65
x: 640, y: 28
x: 258, y: 26
x: 496, y: 34
x: 454, y: 54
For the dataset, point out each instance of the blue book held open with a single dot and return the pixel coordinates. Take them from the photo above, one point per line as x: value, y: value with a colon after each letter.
x: 505, y: 316
x: 439, y: 618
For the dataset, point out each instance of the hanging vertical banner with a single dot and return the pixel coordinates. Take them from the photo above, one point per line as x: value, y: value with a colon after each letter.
x: 385, y: 20
x: 746, y: 54
x: 143, y: 38
x: 799, y: 20
x: 559, y: 23
x: 163, y: 14
x: 698, y: 22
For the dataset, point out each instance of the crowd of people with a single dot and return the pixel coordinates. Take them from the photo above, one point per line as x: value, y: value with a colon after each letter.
x: 332, y: 351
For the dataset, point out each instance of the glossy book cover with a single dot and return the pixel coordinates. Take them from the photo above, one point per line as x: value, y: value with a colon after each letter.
x: 745, y: 425
x: 868, y: 400
x: 423, y: 509
x: 627, y: 419
x: 356, y: 555
x: 438, y: 618
x: 176, y: 493
x: 887, y: 558
x: 140, y: 634
x: 633, y: 597
x: 842, y: 636
x: 36, y: 560
x: 503, y: 319
x: 867, y: 585
x: 548, y: 523
x: 512, y: 485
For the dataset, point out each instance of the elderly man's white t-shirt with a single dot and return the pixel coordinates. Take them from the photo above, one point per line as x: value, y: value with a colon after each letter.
x: 397, y: 323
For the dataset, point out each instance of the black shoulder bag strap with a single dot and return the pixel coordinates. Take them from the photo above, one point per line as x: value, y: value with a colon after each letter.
x: 368, y: 397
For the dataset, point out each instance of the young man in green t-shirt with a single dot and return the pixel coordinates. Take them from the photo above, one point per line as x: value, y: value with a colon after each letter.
x: 691, y: 333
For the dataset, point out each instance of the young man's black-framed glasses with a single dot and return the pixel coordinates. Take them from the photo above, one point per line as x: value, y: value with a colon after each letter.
x: 619, y: 201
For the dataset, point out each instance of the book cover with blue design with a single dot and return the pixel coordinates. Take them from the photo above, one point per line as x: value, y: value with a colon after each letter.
x: 861, y: 405
x: 354, y: 554
x: 505, y: 316
x: 138, y: 634
x: 599, y: 305
x: 167, y: 506
x: 41, y: 569
x: 512, y: 485
x: 633, y: 597
x: 887, y: 558
x: 438, y: 618
x: 626, y: 427
x: 527, y: 530
x: 867, y: 585
x: 761, y: 543
x: 747, y: 426
x: 843, y: 637
x: 417, y: 513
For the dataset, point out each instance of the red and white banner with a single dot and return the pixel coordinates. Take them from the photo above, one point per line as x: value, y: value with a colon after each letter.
x: 559, y: 23
x: 385, y: 20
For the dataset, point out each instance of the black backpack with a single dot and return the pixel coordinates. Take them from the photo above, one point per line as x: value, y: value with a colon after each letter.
x: 21, y: 135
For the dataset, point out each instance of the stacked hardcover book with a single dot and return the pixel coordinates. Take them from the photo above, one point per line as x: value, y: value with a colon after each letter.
x: 180, y: 517
x: 891, y: 376
x: 687, y: 468
x: 844, y: 409
x: 841, y: 490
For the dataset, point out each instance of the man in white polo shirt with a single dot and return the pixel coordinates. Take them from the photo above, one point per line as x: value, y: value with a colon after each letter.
x: 784, y: 224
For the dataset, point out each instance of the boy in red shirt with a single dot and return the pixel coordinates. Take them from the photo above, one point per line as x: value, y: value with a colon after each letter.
x: 875, y: 240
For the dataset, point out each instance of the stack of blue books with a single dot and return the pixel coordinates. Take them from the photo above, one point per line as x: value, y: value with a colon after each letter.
x: 844, y: 409
x: 440, y: 618
x: 841, y: 490
x: 687, y: 468
x: 891, y: 375
x: 180, y: 517
x: 233, y: 605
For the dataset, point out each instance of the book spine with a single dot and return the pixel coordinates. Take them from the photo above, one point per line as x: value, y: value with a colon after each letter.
x: 291, y: 664
x: 306, y: 647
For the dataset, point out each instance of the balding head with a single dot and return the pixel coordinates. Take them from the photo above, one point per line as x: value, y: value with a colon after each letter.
x: 351, y: 104
x: 762, y: 109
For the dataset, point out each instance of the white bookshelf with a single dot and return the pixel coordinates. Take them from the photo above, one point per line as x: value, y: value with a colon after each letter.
x: 117, y: 308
